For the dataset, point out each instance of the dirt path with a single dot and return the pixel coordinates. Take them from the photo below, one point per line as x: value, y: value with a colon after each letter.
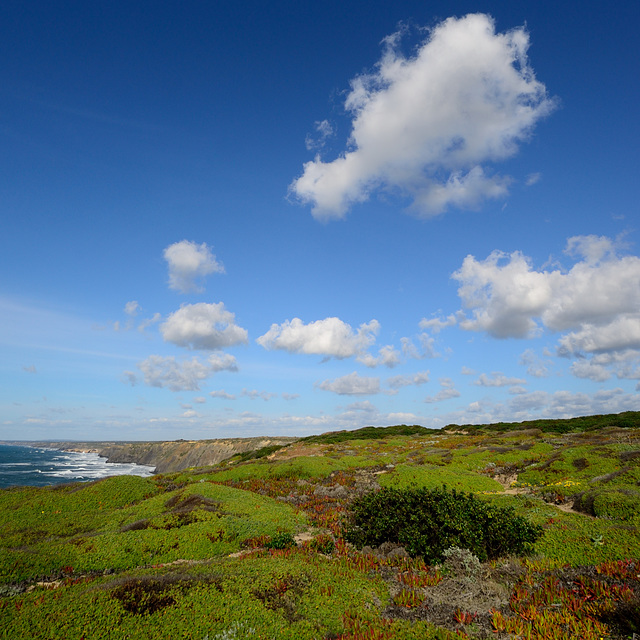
x: 507, y: 481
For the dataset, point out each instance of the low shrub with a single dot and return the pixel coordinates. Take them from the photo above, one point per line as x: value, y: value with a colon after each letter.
x: 429, y: 521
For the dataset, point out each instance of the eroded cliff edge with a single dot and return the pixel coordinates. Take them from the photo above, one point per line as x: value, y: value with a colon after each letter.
x: 173, y: 455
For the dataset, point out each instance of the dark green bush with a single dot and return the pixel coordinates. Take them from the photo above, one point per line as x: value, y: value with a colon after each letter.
x: 428, y: 521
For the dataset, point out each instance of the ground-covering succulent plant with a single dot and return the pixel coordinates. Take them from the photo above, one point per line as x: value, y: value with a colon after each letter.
x: 259, y: 548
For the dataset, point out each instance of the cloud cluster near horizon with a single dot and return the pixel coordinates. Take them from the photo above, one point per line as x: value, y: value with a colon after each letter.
x: 595, y: 304
x: 431, y: 125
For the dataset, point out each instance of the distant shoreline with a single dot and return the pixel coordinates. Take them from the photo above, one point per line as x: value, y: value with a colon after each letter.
x: 164, y: 456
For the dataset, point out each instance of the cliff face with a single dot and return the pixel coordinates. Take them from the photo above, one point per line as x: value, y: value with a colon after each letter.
x: 171, y: 456
x: 177, y: 455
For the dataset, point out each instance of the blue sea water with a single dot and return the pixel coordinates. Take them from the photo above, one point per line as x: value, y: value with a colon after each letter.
x: 39, y: 467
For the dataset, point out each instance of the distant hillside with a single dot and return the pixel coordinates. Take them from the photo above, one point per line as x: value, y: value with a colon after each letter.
x: 625, y: 420
x: 369, y: 433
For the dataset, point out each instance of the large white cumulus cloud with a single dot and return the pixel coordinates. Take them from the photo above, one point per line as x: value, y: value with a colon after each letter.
x: 597, y: 300
x: 595, y: 303
x: 428, y: 125
x: 330, y: 337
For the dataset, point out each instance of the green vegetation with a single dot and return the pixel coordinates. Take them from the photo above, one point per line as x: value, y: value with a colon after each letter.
x: 427, y: 522
x: 404, y: 476
x: 258, y: 546
x: 625, y: 420
x: 368, y: 433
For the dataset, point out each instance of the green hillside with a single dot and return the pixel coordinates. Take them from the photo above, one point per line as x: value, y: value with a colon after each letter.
x: 343, y: 536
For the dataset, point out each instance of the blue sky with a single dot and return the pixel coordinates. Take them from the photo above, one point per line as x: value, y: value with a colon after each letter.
x: 234, y: 219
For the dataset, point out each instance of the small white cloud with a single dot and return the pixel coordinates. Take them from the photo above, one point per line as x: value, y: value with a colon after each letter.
x: 199, y: 400
x: 30, y: 369
x: 387, y: 356
x: 132, y: 308
x: 254, y: 394
x: 148, y: 322
x: 222, y: 394
x: 352, y: 385
x: 185, y: 375
x: 129, y: 377
x: 290, y: 396
x: 189, y: 262
x: 424, y: 349
x: 497, y: 379
x: 436, y: 325
x: 397, y: 382
x: 536, y: 367
x: 203, y: 326
x: 330, y: 337
x: 446, y: 392
x: 429, y: 125
x: 532, y: 179
x: 517, y: 390
x: 190, y: 414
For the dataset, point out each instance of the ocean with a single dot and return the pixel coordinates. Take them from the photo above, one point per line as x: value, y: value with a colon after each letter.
x: 39, y: 467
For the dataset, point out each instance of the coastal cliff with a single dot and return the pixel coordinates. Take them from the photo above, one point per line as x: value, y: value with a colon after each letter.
x: 174, y: 455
